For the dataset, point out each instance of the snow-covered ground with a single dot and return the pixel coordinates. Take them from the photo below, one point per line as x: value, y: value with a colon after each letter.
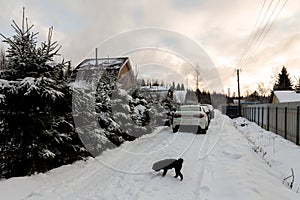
x: 229, y: 162
x: 279, y: 153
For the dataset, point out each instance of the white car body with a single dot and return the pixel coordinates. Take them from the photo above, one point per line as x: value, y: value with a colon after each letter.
x: 190, y: 115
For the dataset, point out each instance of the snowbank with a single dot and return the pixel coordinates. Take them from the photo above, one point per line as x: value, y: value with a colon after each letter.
x: 279, y: 153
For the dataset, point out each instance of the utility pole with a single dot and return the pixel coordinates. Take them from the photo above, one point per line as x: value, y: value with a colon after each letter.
x: 197, y: 85
x: 96, y: 56
x: 197, y: 78
x: 239, y: 94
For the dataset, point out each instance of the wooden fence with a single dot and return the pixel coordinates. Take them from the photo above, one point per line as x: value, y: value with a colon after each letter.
x: 281, y: 118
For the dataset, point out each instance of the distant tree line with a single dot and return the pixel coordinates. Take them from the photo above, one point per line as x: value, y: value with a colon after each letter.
x: 173, y: 85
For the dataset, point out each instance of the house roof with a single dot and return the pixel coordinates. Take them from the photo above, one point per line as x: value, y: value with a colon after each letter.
x: 155, y: 88
x: 103, y: 63
x: 285, y: 96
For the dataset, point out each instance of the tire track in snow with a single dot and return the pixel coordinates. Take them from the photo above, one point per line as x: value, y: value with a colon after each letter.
x: 127, y: 180
x: 138, y: 188
x: 201, y: 167
x: 206, y: 175
x: 118, y: 177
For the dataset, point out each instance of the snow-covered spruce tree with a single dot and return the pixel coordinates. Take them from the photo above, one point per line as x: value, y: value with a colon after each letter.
x: 124, y: 115
x: 106, y: 115
x: 37, y: 133
x: 105, y: 88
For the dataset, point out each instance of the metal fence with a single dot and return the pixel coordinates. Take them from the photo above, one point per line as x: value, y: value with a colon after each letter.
x: 281, y: 118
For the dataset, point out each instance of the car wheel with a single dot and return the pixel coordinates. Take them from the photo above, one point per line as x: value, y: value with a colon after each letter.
x: 167, y: 123
x: 175, y: 129
x: 206, y: 128
x: 201, y: 131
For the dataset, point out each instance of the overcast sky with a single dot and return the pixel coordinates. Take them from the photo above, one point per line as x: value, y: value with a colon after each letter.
x: 218, y: 29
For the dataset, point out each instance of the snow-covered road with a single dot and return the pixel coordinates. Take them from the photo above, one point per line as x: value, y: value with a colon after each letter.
x: 218, y: 165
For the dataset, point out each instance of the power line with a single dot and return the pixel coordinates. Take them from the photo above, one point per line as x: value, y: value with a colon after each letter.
x: 257, y: 38
x: 261, y: 34
x: 268, y: 30
x: 251, y: 35
x: 256, y: 31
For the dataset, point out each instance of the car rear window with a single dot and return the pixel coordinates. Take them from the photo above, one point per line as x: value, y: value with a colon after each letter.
x: 189, y: 108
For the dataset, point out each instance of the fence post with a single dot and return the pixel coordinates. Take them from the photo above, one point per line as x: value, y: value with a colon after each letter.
x: 276, y: 120
x: 258, y: 113
x: 268, y: 118
x: 262, y: 117
x: 297, y: 126
x: 242, y: 112
x: 285, y: 122
x: 253, y: 111
x: 252, y: 114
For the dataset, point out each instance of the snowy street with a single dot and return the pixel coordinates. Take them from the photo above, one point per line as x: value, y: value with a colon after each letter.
x: 219, y: 165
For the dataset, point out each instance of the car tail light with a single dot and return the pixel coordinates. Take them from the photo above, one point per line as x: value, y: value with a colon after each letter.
x: 176, y: 115
x: 199, y: 115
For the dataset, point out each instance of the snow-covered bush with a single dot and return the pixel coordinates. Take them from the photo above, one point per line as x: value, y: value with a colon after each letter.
x: 106, y: 116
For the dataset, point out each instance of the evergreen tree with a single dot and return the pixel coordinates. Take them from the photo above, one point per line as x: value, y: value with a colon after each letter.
x: 178, y: 87
x: 162, y: 83
x: 182, y: 87
x: 38, y: 132
x: 297, y: 86
x: 173, y: 85
x: 283, y: 81
x: 155, y: 83
x: 3, y: 60
x: 198, y: 95
x: 143, y: 82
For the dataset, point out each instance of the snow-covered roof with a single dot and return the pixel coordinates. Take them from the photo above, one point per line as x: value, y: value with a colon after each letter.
x: 103, y: 63
x: 285, y: 96
x: 155, y: 88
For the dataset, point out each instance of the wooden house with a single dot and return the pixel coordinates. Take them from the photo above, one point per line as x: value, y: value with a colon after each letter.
x: 118, y: 69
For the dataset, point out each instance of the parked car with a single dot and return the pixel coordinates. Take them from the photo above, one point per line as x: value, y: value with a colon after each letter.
x: 209, y: 110
x: 190, y: 115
